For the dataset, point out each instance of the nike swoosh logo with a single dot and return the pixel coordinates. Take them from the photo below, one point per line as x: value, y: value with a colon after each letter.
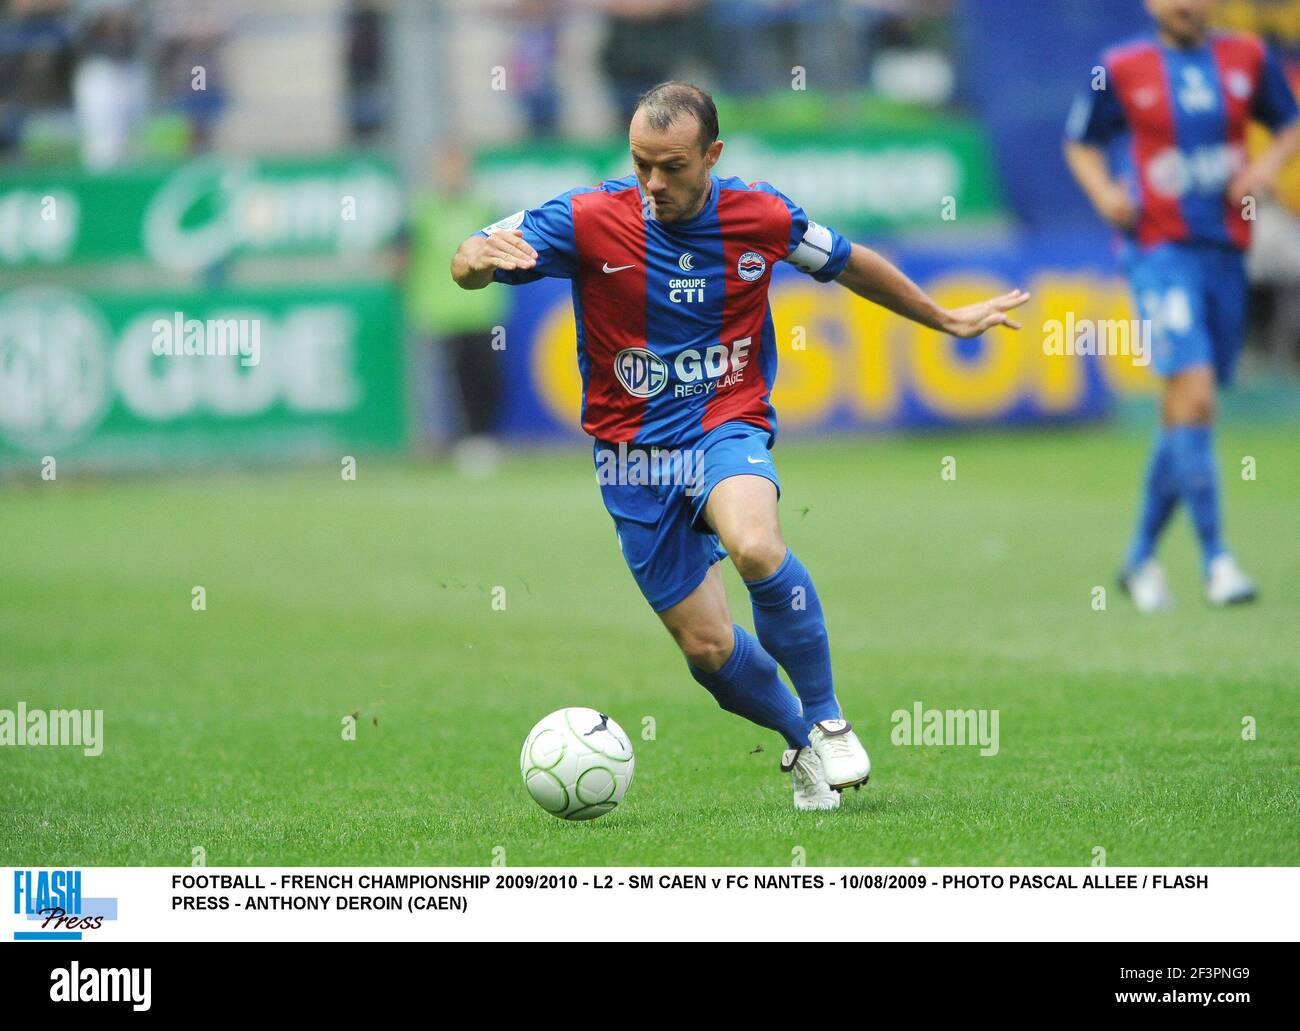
x: 619, y: 269
x: 756, y: 461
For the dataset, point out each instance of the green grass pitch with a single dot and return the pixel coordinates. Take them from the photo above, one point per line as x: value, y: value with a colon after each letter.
x: 325, y: 597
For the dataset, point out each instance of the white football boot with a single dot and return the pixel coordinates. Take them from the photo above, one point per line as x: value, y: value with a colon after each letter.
x: 1148, y: 588
x: 843, y: 758
x: 810, y: 788
x: 1226, y: 584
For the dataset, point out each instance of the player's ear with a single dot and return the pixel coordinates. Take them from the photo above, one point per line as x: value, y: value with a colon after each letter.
x: 712, y: 154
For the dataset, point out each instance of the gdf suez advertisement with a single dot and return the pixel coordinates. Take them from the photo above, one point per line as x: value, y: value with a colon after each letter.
x: 199, y: 213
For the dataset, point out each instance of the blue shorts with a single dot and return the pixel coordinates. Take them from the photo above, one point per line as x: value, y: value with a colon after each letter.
x: 1194, y: 296
x: 656, y: 497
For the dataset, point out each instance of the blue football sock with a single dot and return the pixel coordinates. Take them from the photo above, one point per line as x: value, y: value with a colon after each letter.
x: 788, y: 619
x: 1159, y: 499
x: 1192, y: 448
x: 749, y: 685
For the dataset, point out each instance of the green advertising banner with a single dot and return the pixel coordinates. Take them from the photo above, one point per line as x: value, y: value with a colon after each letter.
x: 905, y: 178
x: 140, y: 381
x: 213, y: 209
x: 200, y: 213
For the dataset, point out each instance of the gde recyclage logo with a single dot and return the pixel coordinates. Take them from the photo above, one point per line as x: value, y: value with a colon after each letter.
x: 642, y: 373
x: 53, y: 906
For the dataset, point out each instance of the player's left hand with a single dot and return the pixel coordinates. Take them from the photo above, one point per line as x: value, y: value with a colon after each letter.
x: 974, y: 319
x: 1253, y: 181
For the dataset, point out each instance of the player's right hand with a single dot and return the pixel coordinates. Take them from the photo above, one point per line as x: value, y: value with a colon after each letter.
x: 1117, y: 207
x: 504, y: 250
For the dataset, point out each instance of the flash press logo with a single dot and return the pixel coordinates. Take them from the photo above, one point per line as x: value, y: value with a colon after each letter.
x: 54, y: 899
x: 75, y: 983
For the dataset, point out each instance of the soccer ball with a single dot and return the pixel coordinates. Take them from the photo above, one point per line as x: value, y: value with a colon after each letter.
x: 577, y: 763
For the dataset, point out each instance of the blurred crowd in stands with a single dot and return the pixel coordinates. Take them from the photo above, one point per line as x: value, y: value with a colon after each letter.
x: 107, y: 80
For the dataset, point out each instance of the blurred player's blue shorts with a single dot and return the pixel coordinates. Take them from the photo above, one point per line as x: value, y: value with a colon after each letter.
x: 656, y: 497
x: 1194, y: 296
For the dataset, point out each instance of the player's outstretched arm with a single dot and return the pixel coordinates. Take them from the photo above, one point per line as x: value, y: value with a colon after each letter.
x: 869, y: 275
x: 479, y: 257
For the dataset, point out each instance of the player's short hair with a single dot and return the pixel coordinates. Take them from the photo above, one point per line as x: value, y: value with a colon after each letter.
x: 665, y: 103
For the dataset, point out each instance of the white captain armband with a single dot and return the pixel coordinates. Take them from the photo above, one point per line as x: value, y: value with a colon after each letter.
x: 814, y: 250
x: 509, y: 222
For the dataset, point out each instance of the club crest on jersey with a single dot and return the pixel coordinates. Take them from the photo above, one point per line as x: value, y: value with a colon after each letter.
x: 642, y: 373
x: 1146, y: 97
x: 751, y: 266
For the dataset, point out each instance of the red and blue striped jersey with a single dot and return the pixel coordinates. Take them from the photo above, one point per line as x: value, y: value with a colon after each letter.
x: 1175, y: 120
x: 675, y: 333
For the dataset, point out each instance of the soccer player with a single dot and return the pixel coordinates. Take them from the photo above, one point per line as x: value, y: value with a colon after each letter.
x: 1158, y: 146
x: 677, y: 352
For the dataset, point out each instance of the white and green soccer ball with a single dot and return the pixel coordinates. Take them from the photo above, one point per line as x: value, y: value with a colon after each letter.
x: 577, y: 763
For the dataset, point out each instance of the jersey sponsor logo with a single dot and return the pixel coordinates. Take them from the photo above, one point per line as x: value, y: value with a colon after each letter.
x: 719, y: 365
x: 751, y: 266
x: 1176, y: 173
x: 506, y: 224
x: 642, y: 373
x: 1195, y: 94
x: 686, y: 262
x: 686, y: 291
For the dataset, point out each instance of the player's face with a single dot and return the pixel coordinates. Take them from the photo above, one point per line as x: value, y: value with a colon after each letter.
x: 671, y: 167
x: 1184, y: 20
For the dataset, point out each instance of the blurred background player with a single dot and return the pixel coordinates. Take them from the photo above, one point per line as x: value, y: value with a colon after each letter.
x: 458, y: 323
x: 1158, y: 145
x: 678, y: 352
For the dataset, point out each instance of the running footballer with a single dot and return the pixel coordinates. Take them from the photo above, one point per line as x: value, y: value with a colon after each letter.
x: 677, y: 351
